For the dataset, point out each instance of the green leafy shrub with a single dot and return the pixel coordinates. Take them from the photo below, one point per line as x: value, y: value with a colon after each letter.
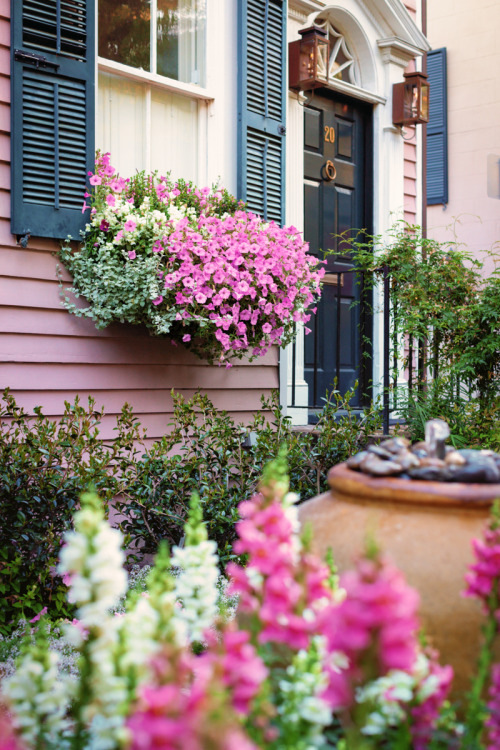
x: 44, y: 467
x: 441, y: 302
x: 473, y: 424
x: 204, y: 452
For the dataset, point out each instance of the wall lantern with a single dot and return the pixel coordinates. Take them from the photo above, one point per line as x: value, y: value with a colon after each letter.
x: 410, y: 100
x: 308, y: 60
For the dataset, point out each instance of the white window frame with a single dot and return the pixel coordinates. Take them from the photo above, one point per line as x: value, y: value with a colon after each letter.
x: 203, y: 95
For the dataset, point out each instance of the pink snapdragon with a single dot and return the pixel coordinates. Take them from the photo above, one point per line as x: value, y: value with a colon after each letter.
x: 241, y: 670
x: 186, y: 709
x: 8, y: 738
x: 483, y: 578
x: 425, y: 714
x: 39, y: 615
x: 280, y: 585
x: 493, y: 721
x: 375, y: 627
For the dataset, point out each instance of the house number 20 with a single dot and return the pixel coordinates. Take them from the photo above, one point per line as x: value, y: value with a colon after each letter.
x: 329, y: 134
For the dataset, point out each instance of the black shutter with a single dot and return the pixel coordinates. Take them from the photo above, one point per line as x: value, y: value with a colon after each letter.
x: 437, y: 129
x: 262, y: 106
x: 53, y: 113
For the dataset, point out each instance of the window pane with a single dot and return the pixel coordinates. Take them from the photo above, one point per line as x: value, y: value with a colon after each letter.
x: 181, y: 40
x: 124, y: 32
x: 121, y: 122
x: 174, y: 134
x: 122, y: 128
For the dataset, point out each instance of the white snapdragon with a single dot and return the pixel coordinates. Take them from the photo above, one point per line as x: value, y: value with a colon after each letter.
x: 302, y: 710
x: 386, y: 694
x: 39, y: 695
x: 93, y: 559
x: 196, y: 582
x: 140, y: 628
x: 102, y: 713
x: 196, y: 586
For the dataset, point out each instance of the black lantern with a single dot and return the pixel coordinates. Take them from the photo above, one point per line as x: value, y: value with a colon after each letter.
x: 410, y: 100
x: 308, y: 60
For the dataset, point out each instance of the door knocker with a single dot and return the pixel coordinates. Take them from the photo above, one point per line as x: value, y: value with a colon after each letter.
x: 329, y: 171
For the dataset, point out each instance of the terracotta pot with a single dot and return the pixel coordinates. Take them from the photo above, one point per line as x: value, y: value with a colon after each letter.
x: 426, y: 528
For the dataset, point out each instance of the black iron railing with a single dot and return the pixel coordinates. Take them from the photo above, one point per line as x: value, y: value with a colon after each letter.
x: 391, y: 344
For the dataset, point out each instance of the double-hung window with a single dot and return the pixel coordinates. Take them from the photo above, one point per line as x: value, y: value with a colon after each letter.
x: 151, y: 84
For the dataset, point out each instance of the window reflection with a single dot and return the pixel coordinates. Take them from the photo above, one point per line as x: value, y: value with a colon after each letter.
x: 124, y: 32
x: 179, y: 39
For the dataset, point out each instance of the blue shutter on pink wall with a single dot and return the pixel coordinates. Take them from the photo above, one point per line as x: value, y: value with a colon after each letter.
x: 262, y: 106
x: 53, y: 113
x: 437, y: 129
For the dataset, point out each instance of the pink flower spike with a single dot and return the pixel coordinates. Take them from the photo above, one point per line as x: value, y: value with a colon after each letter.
x: 39, y: 615
x: 67, y: 578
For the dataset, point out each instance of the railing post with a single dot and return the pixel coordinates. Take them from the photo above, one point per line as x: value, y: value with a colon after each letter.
x: 387, y: 326
x: 339, y: 308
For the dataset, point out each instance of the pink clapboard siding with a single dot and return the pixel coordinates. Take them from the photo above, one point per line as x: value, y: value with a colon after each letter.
x: 410, y: 151
x: 48, y: 356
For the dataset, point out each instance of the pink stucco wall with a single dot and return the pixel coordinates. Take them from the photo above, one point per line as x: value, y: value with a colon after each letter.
x: 469, y: 31
x: 47, y: 355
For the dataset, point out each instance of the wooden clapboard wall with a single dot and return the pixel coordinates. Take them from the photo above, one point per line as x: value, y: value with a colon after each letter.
x: 48, y: 356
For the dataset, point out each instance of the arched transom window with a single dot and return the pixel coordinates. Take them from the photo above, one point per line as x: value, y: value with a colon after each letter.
x: 342, y: 65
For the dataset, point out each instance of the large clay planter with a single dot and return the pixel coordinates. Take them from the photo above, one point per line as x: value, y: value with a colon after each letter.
x: 426, y: 528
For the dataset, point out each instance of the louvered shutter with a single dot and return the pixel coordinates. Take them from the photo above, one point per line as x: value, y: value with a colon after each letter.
x: 262, y: 106
x: 437, y: 129
x: 53, y: 113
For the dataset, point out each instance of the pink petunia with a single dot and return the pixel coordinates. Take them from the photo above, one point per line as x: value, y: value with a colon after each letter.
x: 132, y: 254
x: 129, y: 225
x: 95, y: 180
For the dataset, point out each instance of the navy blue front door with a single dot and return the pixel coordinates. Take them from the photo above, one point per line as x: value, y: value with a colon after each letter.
x: 337, y: 201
